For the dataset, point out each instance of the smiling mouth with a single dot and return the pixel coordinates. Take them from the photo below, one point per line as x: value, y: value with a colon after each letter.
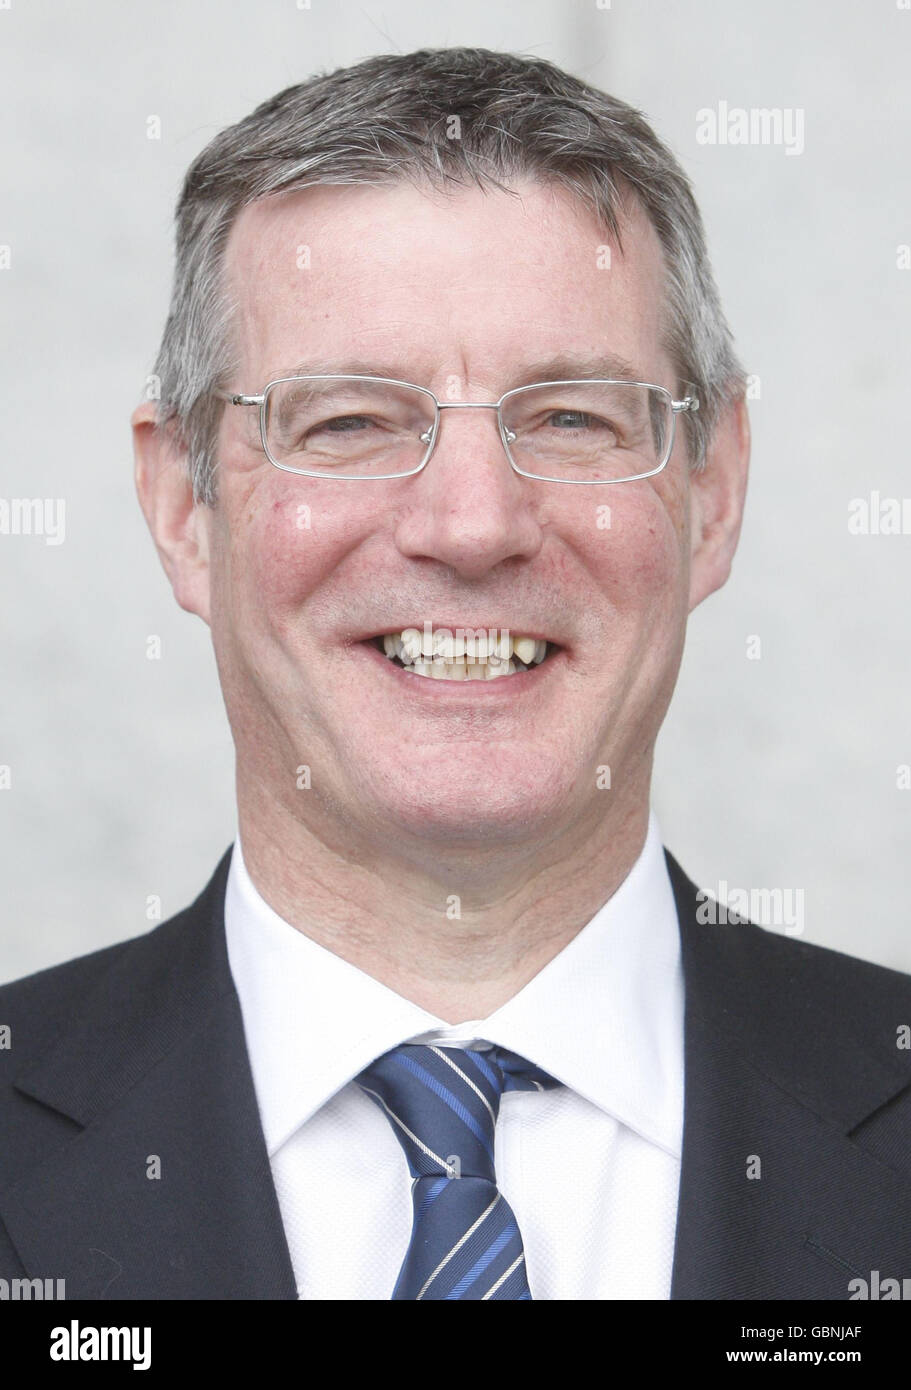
x: 444, y: 656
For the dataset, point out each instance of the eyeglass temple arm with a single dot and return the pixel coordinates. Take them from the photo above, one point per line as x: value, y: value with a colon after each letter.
x: 234, y: 399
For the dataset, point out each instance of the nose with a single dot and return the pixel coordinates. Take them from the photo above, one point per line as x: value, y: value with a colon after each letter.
x: 467, y: 507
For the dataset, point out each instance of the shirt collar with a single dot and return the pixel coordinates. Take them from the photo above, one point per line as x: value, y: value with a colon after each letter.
x: 605, y: 1016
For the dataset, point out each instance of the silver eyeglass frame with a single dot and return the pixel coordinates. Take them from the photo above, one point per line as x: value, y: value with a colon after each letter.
x: 689, y: 403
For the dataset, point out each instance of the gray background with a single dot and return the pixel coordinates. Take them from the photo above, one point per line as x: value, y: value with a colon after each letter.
x: 779, y: 772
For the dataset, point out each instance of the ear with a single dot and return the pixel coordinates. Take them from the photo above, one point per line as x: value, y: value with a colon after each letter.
x: 717, y: 493
x: 179, y: 526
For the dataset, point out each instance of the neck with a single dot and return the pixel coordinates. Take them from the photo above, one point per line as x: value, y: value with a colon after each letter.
x: 456, y: 933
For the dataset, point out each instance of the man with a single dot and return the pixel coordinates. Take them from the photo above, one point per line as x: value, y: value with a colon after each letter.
x: 451, y: 439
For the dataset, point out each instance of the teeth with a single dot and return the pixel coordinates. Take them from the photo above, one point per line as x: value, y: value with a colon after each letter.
x: 443, y: 655
x: 437, y: 669
x: 447, y: 671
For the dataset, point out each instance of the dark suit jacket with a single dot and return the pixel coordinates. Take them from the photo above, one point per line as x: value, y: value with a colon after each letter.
x: 791, y: 1056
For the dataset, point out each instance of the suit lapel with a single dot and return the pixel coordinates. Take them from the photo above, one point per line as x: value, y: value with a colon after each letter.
x: 778, y: 1198
x: 156, y: 1076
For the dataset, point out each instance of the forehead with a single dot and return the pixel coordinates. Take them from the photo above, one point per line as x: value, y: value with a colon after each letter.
x: 427, y: 284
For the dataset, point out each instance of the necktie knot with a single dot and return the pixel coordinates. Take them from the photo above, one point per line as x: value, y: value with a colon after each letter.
x: 443, y: 1105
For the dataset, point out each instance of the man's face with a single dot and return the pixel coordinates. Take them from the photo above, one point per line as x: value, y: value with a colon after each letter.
x: 462, y: 294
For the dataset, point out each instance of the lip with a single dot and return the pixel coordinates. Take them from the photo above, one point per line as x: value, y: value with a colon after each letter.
x: 501, y: 688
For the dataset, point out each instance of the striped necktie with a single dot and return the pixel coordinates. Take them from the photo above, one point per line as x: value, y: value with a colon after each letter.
x: 442, y: 1104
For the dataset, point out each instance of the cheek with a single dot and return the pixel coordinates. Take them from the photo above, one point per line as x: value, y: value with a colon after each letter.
x: 636, y: 544
x: 285, y: 552
x: 281, y: 549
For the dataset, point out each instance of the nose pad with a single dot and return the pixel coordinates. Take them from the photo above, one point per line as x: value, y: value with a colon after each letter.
x: 429, y: 435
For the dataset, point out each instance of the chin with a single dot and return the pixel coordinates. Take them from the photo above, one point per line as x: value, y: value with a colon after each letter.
x: 472, y: 809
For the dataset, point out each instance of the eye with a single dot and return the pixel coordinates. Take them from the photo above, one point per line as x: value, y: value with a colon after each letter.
x: 565, y: 420
x: 571, y: 419
x: 341, y: 424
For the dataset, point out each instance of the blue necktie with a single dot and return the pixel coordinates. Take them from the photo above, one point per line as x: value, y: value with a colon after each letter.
x: 443, y: 1104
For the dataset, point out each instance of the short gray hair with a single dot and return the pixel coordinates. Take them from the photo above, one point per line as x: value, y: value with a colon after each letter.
x: 388, y: 120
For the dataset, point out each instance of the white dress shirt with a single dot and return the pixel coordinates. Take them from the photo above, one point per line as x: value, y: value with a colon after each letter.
x: 591, y: 1169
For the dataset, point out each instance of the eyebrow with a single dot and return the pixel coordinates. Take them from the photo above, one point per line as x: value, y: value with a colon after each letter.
x: 582, y: 367
x: 565, y: 367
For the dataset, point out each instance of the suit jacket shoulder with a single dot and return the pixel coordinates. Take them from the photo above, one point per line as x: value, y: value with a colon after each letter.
x: 133, y: 1162
x: 796, y: 1170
